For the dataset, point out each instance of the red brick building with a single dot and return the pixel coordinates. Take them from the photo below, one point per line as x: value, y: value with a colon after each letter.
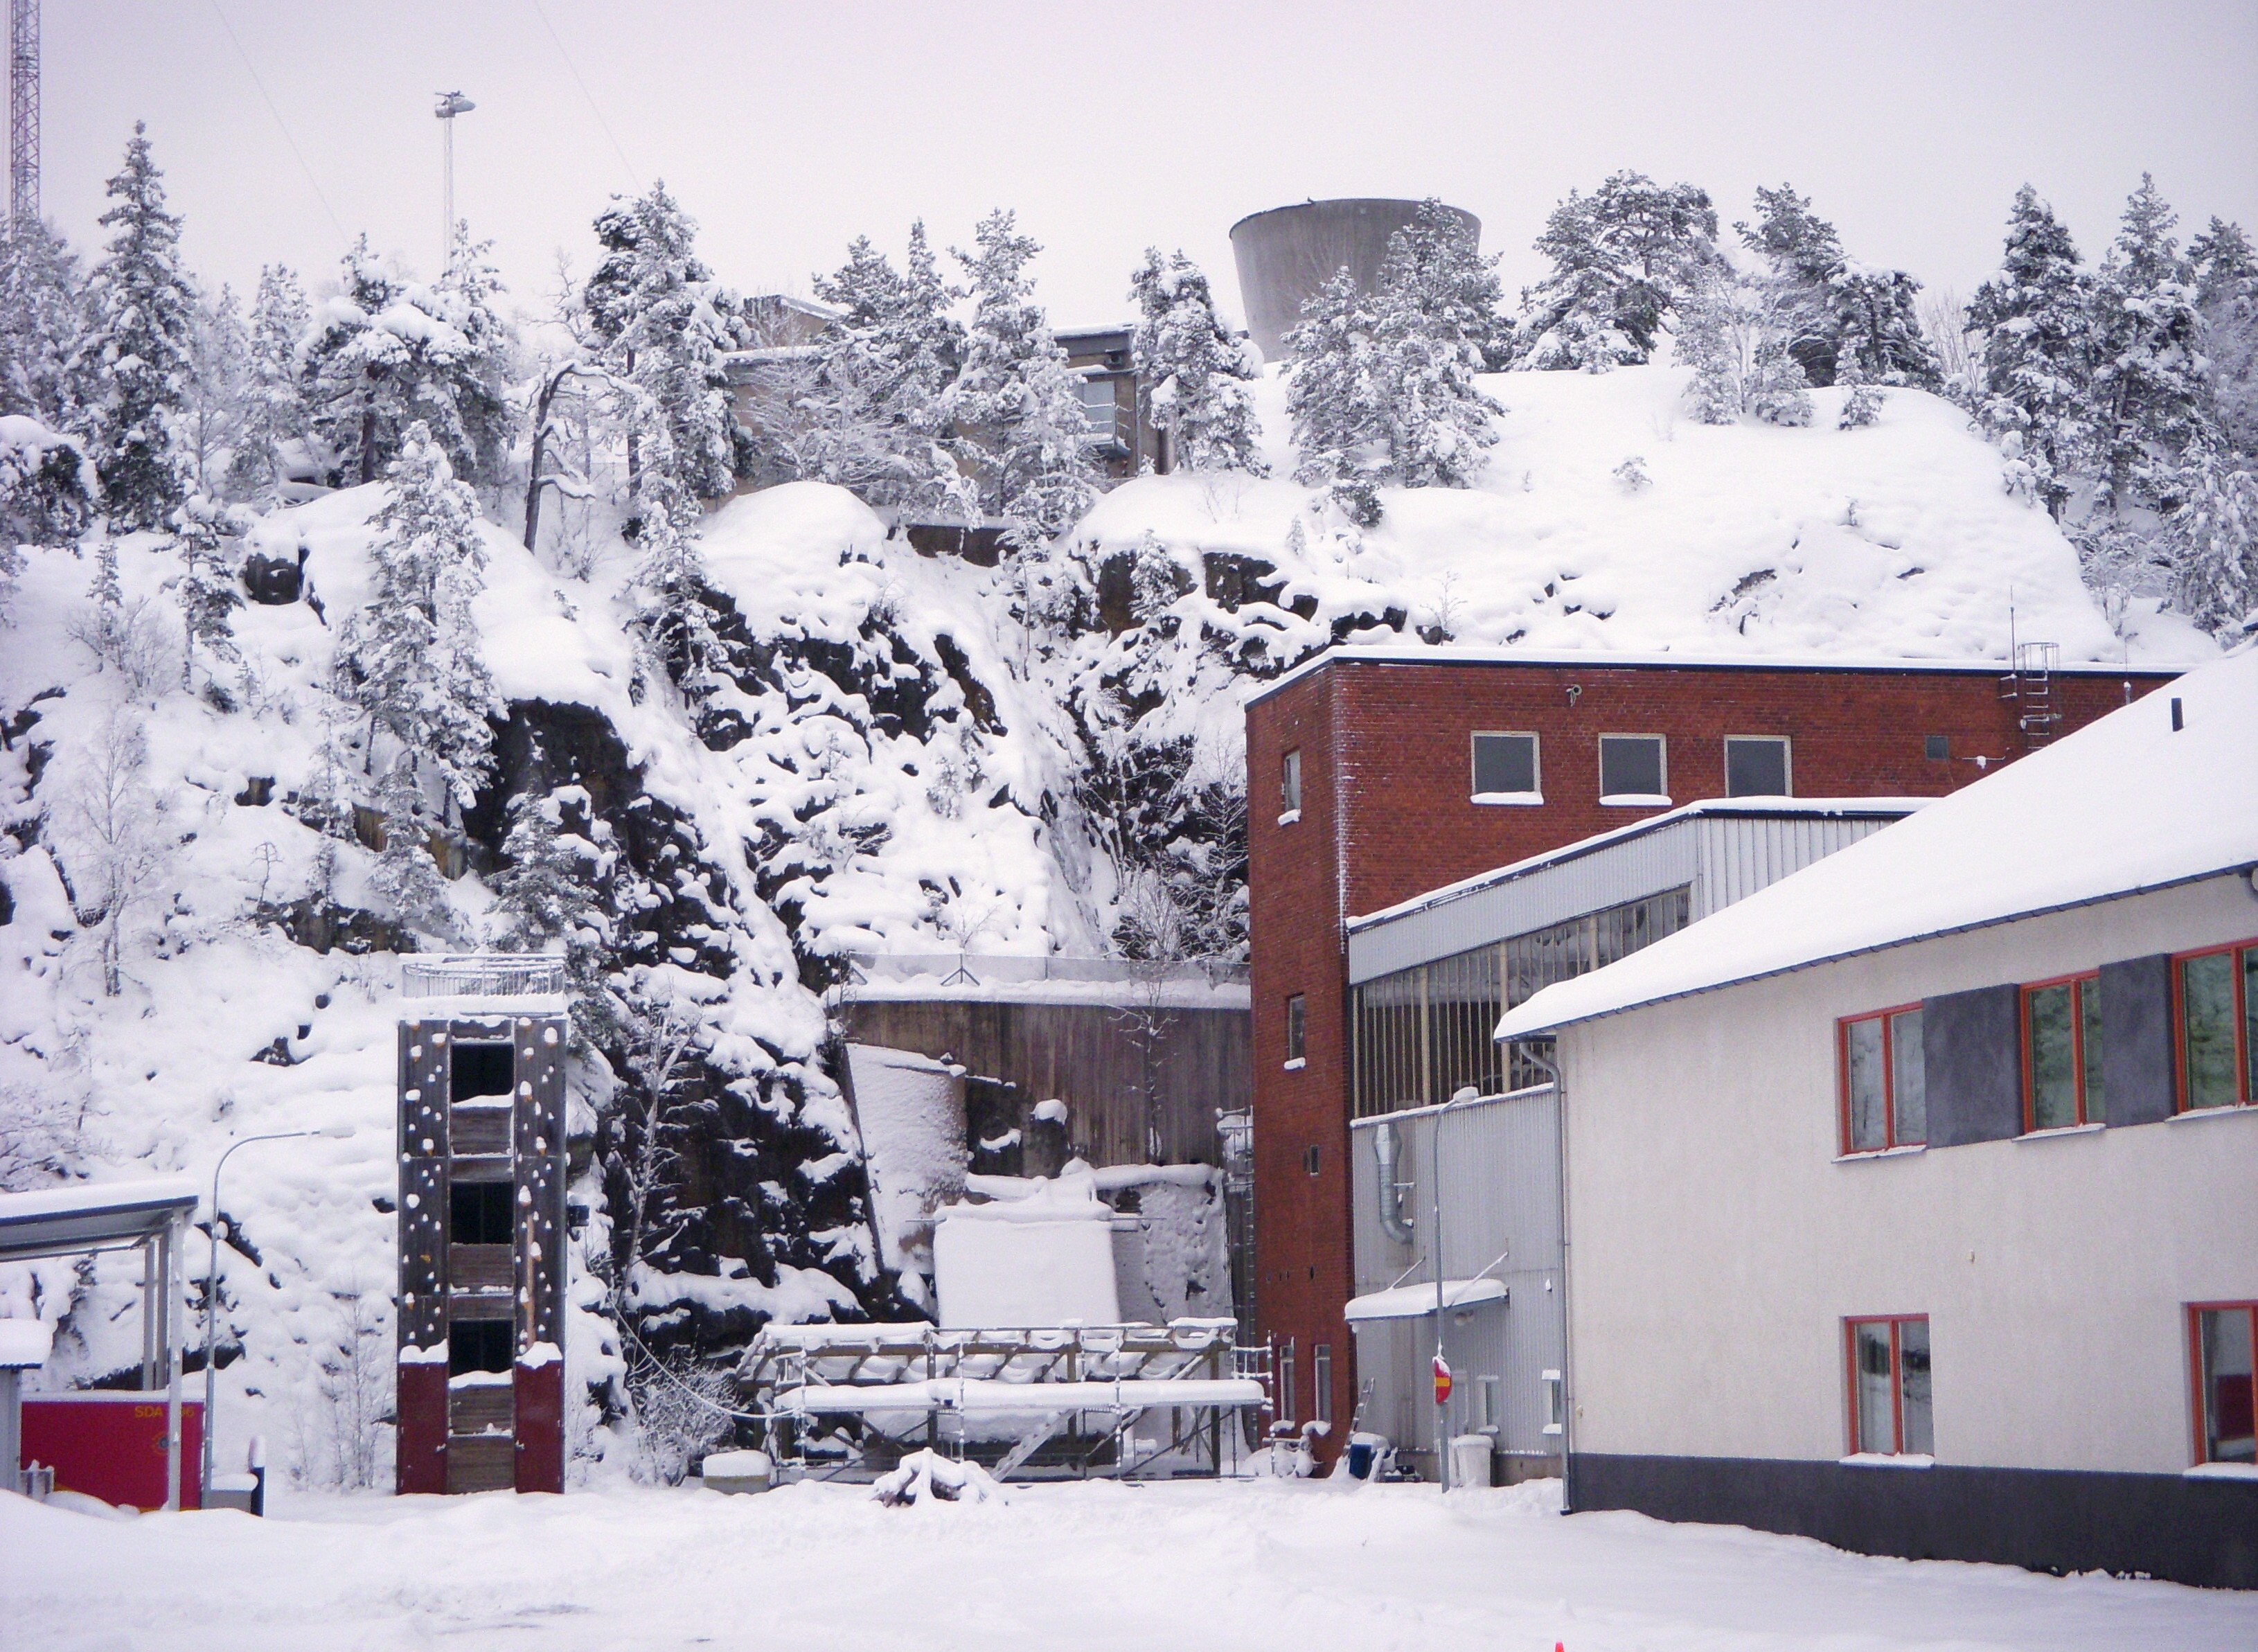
x: 1377, y: 775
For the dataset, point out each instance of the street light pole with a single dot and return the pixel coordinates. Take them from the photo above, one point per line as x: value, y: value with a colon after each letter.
x: 450, y: 104
x: 334, y: 1132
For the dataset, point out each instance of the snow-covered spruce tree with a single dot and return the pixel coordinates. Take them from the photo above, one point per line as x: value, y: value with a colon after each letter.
x: 1828, y: 300
x: 467, y: 400
x: 1335, y: 395
x: 1198, y: 372
x: 1016, y: 402
x: 1732, y: 332
x: 1434, y: 317
x: 274, y: 414
x: 672, y: 617
x: 661, y: 322
x: 1622, y: 257
x: 206, y: 585
x: 40, y: 320
x: 134, y: 364
x: 2148, y: 395
x: 406, y: 875
x: 47, y: 486
x: 1864, y: 405
x: 2227, y: 297
x: 410, y: 660
x: 2033, y: 360
x: 549, y: 898
x: 2213, y: 540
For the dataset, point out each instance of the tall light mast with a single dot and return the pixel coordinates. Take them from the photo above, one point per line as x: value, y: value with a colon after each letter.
x: 23, y: 112
x: 450, y: 104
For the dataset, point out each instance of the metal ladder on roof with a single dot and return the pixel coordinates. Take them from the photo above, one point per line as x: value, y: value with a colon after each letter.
x: 2030, y: 687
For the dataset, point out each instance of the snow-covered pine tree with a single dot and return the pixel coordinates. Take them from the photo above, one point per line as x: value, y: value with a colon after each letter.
x: 663, y: 322
x: 1826, y: 299
x: 1156, y: 578
x: 39, y: 320
x: 406, y: 875
x: 1732, y: 332
x: 1622, y: 258
x: 1017, y: 401
x: 410, y: 660
x: 354, y: 369
x: 2033, y: 361
x: 672, y: 617
x: 466, y: 399
x: 47, y: 485
x: 549, y: 898
x: 2227, y: 297
x: 1197, y: 371
x: 274, y: 413
x: 211, y: 423
x: 206, y: 585
x: 1435, y: 314
x: 1864, y: 405
x: 1334, y: 395
x: 2214, y: 542
x: 133, y: 365
x: 2147, y: 394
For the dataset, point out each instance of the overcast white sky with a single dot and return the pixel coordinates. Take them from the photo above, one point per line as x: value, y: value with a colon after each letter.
x: 786, y: 129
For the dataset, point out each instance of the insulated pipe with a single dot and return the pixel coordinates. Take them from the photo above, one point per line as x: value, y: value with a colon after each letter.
x: 1393, y: 1220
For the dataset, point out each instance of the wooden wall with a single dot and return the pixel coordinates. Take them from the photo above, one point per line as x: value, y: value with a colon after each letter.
x: 1092, y: 1057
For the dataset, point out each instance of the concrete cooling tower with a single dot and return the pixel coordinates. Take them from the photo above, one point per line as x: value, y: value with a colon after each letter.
x: 1286, y: 254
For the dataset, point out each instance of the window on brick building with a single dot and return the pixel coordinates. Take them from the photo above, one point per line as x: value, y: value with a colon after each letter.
x: 1321, y: 1381
x: 2226, y: 1349
x: 1756, y: 766
x: 2062, y: 1054
x: 1633, y: 769
x: 1890, y: 1414
x: 1289, y: 787
x: 1936, y: 748
x: 1297, y: 1028
x: 1884, y: 1095
x: 1505, y: 769
x: 1310, y: 1160
x: 2217, y: 999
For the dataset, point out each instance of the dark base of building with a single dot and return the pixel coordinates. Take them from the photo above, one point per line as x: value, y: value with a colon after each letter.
x: 2188, y: 1530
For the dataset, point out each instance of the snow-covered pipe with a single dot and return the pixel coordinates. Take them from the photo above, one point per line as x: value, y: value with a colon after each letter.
x: 1393, y: 1220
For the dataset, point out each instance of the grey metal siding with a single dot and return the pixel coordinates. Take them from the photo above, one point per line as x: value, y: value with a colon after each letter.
x: 1501, y: 1216
x: 1736, y: 856
x: 1972, y: 1065
x: 2137, y: 1085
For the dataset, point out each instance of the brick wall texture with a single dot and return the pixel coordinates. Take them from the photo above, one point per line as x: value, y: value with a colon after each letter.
x: 1386, y: 765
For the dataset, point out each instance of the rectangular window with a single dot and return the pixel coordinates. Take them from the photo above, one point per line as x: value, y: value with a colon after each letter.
x: 1289, y: 784
x: 2062, y: 1054
x: 480, y: 1069
x: 479, y: 1345
x: 1885, y: 1100
x: 478, y: 1212
x: 1321, y: 1381
x: 2225, y: 1337
x: 1310, y: 1159
x: 1297, y: 1028
x: 1756, y: 766
x: 1505, y: 769
x: 2216, y: 996
x: 1936, y: 748
x: 1633, y: 770
x: 1287, y: 1399
x: 1890, y: 1414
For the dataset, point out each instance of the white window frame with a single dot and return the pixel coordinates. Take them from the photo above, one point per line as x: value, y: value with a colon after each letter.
x: 1635, y: 799
x: 1786, y: 763
x: 1532, y: 797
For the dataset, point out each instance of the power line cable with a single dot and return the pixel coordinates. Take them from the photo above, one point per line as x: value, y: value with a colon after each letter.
x: 315, y: 183
x: 634, y: 177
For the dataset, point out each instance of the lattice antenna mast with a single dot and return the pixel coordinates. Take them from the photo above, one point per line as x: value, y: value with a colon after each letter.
x: 23, y: 111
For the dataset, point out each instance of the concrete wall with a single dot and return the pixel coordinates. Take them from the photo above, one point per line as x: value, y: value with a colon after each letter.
x: 1717, y: 1243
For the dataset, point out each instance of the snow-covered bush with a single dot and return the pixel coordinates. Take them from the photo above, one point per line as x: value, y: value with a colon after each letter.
x: 1735, y: 335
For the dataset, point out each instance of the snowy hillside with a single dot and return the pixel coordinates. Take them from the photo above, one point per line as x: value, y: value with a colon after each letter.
x: 908, y: 754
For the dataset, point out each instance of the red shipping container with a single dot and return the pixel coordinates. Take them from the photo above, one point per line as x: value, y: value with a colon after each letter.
x: 111, y: 1444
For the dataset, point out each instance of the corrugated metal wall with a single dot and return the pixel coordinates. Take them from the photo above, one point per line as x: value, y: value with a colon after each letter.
x: 1734, y: 857
x: 1501, y: 1199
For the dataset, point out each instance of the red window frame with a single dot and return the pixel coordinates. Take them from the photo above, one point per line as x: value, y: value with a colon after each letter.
x: 1889, y: 1080
x: 2245, y: 1057
x: 2077, y: 984
x: 2194, y: 1312
x: 1895, y: 1322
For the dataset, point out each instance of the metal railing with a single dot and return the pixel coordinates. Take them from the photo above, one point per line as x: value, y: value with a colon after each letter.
x: 985, y: 969
x: 483, y: 975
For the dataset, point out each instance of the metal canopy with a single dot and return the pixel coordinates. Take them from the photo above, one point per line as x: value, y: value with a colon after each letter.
x: 102, y: 1216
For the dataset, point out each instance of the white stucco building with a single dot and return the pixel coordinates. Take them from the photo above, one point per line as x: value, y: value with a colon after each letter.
x: 1913, y: 1202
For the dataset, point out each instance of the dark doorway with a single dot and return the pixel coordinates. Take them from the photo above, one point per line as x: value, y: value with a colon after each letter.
x: 481, y: 1069
x: 478, y: 1213
x: 478, y: 1345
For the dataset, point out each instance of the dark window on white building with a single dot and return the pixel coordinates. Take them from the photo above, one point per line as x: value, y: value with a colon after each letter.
x: 1633, y: 768
x: 1505, y: 767
x: 1756, y: 766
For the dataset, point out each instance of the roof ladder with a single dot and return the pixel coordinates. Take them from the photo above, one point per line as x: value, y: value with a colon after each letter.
x: 2030, y: 687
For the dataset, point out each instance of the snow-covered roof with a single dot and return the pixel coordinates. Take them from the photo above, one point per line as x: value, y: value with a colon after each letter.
x: 1411, y: 1302
x: 90, y: 1214
x: 1743, y: 808
x: 1598, y: 659
x: 2127, y: 804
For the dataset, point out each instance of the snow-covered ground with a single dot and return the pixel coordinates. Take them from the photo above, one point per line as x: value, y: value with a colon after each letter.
x: 1249, y: 1565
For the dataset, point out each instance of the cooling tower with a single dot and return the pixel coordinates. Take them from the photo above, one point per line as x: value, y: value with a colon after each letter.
x: 1286, y: 254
